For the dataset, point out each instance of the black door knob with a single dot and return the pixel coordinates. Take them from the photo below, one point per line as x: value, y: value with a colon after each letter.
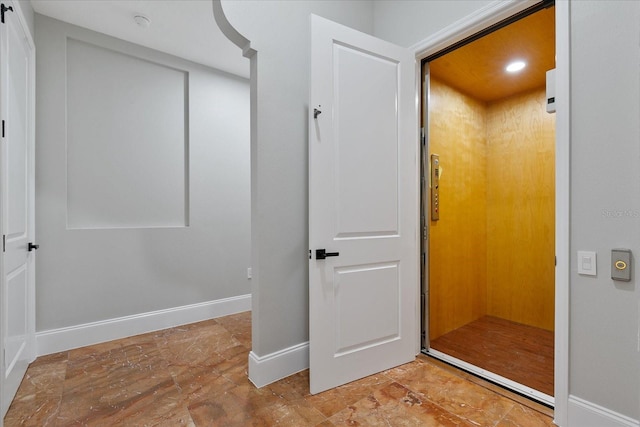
x: 33, y: 247
x: 322, y: 254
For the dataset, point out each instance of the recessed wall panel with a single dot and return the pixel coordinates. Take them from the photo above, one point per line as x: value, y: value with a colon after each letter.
x: 375, y: 286
x: 127, y: 140
x: 365, y: 91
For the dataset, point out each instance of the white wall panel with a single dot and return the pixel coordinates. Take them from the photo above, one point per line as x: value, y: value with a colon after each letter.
x: 127, y: 140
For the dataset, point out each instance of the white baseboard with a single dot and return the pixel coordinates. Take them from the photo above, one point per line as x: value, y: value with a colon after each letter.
x: 267, y: 369
x: 583, y: 413
x: 56, y: 340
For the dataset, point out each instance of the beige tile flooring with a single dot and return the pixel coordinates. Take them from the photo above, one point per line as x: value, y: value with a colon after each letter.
x: 196, y: 375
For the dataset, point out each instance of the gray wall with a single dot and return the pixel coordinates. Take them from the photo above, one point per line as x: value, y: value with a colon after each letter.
x: 605, y: 172
x: 104, y: 264
x: 408, y: 22
x: 605, y: 201
x: 279, y: 31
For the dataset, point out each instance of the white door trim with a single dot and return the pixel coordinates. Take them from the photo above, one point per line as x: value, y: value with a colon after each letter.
x: 563, y: 245
x: 472, y: 24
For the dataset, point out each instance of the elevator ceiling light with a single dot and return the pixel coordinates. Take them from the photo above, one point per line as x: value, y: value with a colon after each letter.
x: 515, y: 66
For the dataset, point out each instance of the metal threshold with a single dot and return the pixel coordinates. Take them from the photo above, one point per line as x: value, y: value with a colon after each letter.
x: 521, y: 389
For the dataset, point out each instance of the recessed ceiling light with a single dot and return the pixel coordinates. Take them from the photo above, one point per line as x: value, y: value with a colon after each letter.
x: 515, y: 66
x: 142, y: 21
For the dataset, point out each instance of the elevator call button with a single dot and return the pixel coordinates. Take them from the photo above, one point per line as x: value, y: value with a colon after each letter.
x: 621, y: 265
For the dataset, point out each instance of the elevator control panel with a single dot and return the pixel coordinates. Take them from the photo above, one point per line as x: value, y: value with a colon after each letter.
x: 621, y: 265
x: 435, y: 187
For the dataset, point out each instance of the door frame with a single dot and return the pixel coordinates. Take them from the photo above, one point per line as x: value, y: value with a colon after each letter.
x: 521, y: 388
x: 468, y: 26
x: 31, y: 349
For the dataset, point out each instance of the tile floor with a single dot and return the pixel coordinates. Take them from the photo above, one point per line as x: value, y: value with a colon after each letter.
x: 196, y: 375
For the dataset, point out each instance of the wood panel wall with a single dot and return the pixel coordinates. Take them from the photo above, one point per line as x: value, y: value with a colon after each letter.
x: 457, y: 252
x: 492, y: 251
x: 521, y: 210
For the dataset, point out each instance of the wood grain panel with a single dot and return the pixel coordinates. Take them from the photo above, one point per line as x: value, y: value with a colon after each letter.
x: 519, y: 352
x: 478, y: 68
x: 457, y: 253
x: 521, y: 210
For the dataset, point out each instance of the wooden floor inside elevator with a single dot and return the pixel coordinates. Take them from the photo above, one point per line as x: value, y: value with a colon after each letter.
x: 515, y: 351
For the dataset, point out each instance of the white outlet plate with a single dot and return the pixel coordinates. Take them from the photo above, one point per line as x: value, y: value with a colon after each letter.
x: 587, y: 263
x: 249, y: 273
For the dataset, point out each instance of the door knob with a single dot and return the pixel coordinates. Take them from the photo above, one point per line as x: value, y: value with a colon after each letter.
x: 322, y: 254
x: 32, y: 247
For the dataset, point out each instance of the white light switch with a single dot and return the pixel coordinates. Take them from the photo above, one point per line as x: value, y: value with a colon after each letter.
x: 587, y: 263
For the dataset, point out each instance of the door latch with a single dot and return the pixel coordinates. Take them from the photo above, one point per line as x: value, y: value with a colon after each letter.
x: 322, y: 254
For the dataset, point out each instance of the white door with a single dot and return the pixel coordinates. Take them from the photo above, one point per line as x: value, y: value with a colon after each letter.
x: 363, y: 206
x: 16, y: 175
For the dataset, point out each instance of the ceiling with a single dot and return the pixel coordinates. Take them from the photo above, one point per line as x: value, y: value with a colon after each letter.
x: 184, y: 28
x: 478, y: 68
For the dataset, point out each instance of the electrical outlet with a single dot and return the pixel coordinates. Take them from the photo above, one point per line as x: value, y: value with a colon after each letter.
x: 249, y: 273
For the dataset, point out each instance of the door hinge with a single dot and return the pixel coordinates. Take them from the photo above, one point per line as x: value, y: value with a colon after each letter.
x: 4, y: 243
x: 4, y: 9
x: 3, y: 128
x: 422, y: 137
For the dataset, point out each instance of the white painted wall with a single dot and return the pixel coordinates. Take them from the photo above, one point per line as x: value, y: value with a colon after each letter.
x: 91, y: 274
x: 279, y: 31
